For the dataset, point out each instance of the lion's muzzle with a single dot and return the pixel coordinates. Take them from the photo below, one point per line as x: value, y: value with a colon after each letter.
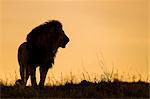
x: 65, y: 41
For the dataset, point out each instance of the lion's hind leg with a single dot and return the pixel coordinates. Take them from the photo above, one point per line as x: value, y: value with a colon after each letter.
x: 24, y: 73
x: 23, y: 62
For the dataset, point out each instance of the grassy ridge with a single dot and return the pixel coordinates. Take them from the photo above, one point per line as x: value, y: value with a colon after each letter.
x: 84, y: 89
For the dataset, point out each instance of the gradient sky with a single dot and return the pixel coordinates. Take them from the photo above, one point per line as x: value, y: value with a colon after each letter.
x: 115, y: 31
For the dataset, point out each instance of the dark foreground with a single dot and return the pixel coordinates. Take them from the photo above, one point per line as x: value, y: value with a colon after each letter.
x: 84, y: 89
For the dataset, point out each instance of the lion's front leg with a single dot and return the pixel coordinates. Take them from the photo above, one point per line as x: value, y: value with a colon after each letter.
x: 43, y: 73
x: 33, y: 76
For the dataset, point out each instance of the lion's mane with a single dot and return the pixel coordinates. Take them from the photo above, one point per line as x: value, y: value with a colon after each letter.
x: 43, y: 43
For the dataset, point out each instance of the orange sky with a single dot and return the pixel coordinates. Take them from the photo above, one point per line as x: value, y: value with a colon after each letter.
x: 114, y: 29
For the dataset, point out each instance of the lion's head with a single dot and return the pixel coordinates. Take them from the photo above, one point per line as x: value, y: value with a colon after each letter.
x: 48, y: 35
x: 46, y: 39
x: 58, y: 34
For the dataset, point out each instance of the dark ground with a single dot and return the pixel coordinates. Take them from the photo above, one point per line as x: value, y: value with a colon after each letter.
x: 84, y: 89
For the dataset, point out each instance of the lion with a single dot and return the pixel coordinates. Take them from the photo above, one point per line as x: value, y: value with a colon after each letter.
x: 40, y: 49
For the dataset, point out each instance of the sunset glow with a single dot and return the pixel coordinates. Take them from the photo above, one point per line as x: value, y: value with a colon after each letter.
x: 114, y: 31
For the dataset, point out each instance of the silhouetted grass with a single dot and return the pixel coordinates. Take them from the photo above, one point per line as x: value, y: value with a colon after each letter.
x: 84, y: 89
x: 107, y: 85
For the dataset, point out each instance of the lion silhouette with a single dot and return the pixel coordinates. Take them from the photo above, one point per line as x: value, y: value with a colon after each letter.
x: 40, y: 49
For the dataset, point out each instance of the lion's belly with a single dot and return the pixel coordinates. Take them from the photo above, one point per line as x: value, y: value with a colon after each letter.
x: 39, y: 57
x: 36, y: 56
